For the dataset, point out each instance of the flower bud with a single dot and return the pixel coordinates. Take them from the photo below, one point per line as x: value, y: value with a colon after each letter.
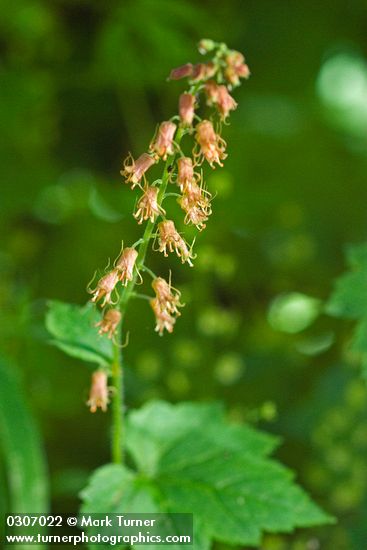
x: 105, y: 287
x: 125, y: 265
x: 109, y: 323
x: 98, y: 396
x: 162, y: 145
x: 206, y: 45
x: 181, y: 72
x: 187, y: 108
x: 148, y: 207
x: 133, y: 170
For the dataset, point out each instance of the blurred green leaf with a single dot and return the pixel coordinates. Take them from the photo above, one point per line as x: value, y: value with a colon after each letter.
x: 74, y: 332
x: 349, y: 299
x: 293, y: 312
x: 21, y: 446
x: 190, y: 460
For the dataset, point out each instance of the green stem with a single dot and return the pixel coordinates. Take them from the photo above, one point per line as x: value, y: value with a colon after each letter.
x: 117, y: 406
x: 118, y: 409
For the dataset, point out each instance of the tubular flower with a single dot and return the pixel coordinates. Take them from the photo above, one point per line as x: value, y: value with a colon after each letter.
x: 109, y: 323
x: 236, y: 68
x: 168, y: 297
x: 196, y: 203
x: 105, y: 287
x: 171, y: 239
x: 125, y: 265
x: 203, y: 71
x: 134, y: 170
x: 212, y: 146
x: 164, y: 320
x: 181, y: 72
x: 185, y: 174
x: 98, y: 396
x: 148, y: 207
x: 187, y: 108
x: 194, y: 214
x: 162, y: 145
x: 220, y: 96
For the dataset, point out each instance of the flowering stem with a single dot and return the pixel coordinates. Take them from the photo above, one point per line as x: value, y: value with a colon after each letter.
x: 118, y: 408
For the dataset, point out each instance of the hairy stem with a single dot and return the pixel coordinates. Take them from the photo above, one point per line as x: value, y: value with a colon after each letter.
x: 118, y: 409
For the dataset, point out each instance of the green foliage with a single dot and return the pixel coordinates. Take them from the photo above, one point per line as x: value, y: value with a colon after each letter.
x: 74, y: 332
x: 349, y: 299
x: 21, y: 448
x: 190, y: 460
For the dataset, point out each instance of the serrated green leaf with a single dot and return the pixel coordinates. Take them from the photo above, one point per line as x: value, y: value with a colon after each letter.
x: 190, y: 460
x: 115, y: 489
x: 74, y: 332
x: 147, y: 442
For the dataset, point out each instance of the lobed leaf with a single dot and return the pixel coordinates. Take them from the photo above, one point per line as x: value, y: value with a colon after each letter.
x: 189, y: 459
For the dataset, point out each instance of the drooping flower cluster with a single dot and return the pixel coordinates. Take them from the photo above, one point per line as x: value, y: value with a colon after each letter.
x: 209, y: 85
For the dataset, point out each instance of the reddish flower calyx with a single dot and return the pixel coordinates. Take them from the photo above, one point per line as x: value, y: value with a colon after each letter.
x: 148, y: 207
x: 125, y: 265
x: 105, y: 288
x: 212, y: 146
x: 99, y: 393
x: 108, y: 325
x: 187, y: 108
x: 134, y: 170
x: 171, y: 240
x: 162, y: 145
x: 219, y: 96
x: 181, y: 72
x: 236, y: 68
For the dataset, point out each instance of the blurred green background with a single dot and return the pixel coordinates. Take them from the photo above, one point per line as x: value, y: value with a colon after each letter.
x: 84, y: 82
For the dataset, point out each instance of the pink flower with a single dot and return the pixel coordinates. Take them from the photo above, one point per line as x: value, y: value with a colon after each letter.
x: 109, y: 323
x: 133, y: 170
x: 236, y: 68
x: 168, y: 297
x: 185, y: 173
x: 196, y: 203
x: 162, y: 145
x: 219, y: 96
x: 148, y: 207
x: 187, y: 108
x: 164, y: 320
x: 170, y: 239
x: 203, y: 71
x: 105, y: 287
x: 98, y: 396
x: 181, y: 72
x: 125, y: 265
x: 212, y: 146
